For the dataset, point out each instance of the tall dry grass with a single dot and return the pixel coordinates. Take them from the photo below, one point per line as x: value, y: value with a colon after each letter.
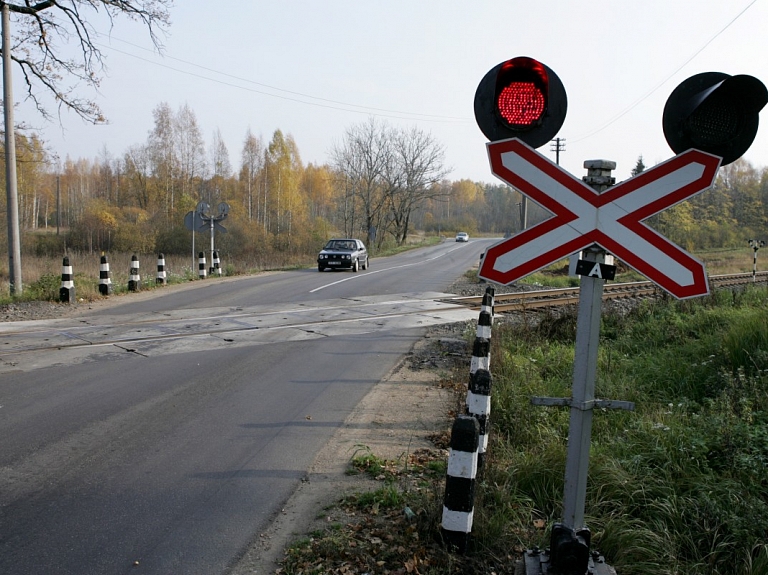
x: 41, y: 276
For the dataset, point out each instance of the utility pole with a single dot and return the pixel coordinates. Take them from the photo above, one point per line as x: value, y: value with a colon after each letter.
x: 14, y: 241
x: 58, y: 204
x: 557, y: 145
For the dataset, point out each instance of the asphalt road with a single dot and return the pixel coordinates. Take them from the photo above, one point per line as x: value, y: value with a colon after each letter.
x: 134, y: 446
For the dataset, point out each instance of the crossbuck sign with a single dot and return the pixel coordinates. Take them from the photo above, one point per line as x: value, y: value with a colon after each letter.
x: 612, y: 219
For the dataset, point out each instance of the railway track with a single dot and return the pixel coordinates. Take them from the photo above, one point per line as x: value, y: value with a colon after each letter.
x: 26, y: 346
x: 548, y: 298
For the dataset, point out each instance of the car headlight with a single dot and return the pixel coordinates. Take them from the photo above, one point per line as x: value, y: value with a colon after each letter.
x: 322, y: 256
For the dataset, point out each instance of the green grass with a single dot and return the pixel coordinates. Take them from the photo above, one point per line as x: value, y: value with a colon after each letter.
x: 677, y: 487
x: 680, y: 486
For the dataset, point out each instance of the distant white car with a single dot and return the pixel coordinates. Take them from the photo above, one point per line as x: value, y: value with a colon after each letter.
x: 462, y: 237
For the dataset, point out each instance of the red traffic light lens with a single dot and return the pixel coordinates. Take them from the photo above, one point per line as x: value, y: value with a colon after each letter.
x: 520, y: 98
x: 521, y: 103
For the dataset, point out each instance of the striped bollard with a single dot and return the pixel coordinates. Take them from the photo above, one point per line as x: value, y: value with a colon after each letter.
x: 134, y: 279
x: 459, y: 500
x: 484, y: 323
x: 105, y: 277
x: 160, y: 279
x: 67, y: 289
x: 479, y: 407
x: 481, y: 355
x: 201, y: 265
x: 216, y: 263
x: 488, y: 300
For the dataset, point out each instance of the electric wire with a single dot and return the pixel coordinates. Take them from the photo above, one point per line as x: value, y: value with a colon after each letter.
x: 321, y: 102
x: 664, y: 81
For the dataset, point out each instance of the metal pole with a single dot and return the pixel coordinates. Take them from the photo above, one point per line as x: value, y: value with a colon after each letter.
x: 754, y: 266
x: 14, y: 241
x: 212, y: 245
x: 58, y: 204
x: 585, y: 369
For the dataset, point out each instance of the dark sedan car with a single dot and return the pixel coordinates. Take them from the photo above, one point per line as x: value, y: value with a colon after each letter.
x: 343, y: 254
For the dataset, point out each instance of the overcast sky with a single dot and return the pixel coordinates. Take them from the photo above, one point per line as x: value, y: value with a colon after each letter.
x: 312, y: 69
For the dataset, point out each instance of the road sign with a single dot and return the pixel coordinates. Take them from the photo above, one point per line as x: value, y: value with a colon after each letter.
x: 194, y: 221
x: 612, y: 219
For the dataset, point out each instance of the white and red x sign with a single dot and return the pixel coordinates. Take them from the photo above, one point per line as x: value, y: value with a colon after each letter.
x: 612, y: 219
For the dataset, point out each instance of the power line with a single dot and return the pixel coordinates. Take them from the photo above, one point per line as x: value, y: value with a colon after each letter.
x: 321, y: 102
x: 665, y: 80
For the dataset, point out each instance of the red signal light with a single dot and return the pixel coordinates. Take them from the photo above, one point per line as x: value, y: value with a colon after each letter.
x: 521, y: 103
x: 520, y: 98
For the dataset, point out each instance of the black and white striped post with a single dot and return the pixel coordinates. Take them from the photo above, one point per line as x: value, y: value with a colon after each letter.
x: 67, y: 289
x: 160, y: 278
x: 481, y: 355
x: 201, y: 265
x: 478, y: 402
x: 484, y: 324
x: 216, y: 264
x: 459, y: 500
x: 105, y: 277
x: 479, y: 407
x: 134, y: 278
x: 488, y: 300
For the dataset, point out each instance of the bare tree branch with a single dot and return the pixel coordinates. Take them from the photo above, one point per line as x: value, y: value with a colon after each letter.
x: 40, y: 31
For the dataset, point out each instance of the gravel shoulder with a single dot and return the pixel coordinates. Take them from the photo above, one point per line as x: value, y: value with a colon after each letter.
x: 397, y: 418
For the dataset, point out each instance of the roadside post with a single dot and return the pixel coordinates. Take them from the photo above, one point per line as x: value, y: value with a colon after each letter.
x: 67, y: 288
x: 755, y: 245
x: 134, y: 277
x: 105, y: 278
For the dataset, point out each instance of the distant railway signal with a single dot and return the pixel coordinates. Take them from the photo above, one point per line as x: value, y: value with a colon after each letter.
x: 521, y: 98
x: 716, y: 113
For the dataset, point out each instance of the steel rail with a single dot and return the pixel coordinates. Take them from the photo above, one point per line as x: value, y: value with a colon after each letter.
x: 555, y: 297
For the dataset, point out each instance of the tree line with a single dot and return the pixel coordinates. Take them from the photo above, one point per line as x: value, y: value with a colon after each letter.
x: 380, y: 184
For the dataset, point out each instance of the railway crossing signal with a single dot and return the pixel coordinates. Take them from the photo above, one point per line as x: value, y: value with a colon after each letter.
x: 710, y: 119
x: 521, y: 98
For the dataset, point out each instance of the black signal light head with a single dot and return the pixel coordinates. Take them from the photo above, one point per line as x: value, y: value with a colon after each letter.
x: 716, y: 113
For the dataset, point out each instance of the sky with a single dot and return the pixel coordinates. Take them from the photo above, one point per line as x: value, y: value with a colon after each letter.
x: 314, y: 69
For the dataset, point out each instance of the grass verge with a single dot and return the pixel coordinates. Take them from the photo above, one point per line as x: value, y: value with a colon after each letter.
x: 678, y: 487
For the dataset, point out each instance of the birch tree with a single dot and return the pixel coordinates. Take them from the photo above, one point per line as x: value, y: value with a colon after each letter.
x: 252, y: 162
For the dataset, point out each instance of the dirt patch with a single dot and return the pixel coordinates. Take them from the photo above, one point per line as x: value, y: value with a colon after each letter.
x: 401, y: 416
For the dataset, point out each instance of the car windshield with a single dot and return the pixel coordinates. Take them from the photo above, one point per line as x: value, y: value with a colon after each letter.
x: 340, y: 245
